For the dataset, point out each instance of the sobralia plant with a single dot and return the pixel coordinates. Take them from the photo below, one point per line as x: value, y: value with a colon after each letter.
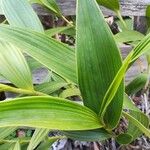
x: 94, y: 70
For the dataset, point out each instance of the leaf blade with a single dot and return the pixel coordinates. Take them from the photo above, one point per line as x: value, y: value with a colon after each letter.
x: 47, y: 112
x: 94, y: 79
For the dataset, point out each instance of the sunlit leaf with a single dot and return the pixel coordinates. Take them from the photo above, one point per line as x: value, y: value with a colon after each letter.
x: 47, y: 112
x: 19, y: 13
x: 38, y: 136
x: 47, y: 51
x: 4, y: 132
x: 14, y: 66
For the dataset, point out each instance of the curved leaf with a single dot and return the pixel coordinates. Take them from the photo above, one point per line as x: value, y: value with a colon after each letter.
x: 98, y: 60
x: 124, y: 138
x: 137, y: 123
x: 128, y: 36
x: 47, y: 112
x: 47, y: 51
x: 137, y: 84
x: 14, y: 67
x: 38, y: 136
x: 19, y: 13
x: 91, y: 135
x: 52, y: 5
x: 4, y: 132
x: 111, y: 4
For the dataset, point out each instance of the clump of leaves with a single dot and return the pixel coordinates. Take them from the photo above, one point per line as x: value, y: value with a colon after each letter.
x: 94, y: 70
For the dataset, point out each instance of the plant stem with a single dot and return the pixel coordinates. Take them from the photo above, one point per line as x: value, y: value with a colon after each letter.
x: 70, y: 23
x: 121, y: 19
x: 21, y: 91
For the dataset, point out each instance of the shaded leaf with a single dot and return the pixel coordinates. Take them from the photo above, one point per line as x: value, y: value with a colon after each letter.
x: 70, y: 92
x: 50, y: 87
x: 98, y: 60
x: 52, y: 5
x: 128, y: 36
x: 124, y: 138
x: 48, y: 143
x: 111, y: 4
x: 53, y: 31
x: 91, y: 135
x: 137, y: 84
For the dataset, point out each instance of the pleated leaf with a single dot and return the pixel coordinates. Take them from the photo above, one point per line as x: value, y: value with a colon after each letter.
x: 14, y: 67
x: 47, y: 112
x: 4, y: 132
x: 19, y: 13
x: 137, y: 114
x: 15, y: 146
x: 47, y: 51
x: 98, y: 60
x: 38, y: 136
x: 135, y: 121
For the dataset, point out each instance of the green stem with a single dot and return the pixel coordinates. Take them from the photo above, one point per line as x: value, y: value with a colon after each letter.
x: 70, y: 23
x: 21, y: 91
x: 121, y: 19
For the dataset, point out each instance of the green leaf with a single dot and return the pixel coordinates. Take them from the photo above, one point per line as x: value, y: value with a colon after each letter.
x: 15, y: 146
x: 128, y: 21
x: 47, y: 51
x: 70, y: 92
x: 139, y: 50
x: 33, y: 64
x: 19, y: 13
x: 111, y: 4
x: 124, y: 138
x: 98, y: 60
x: 53, y: 31
x: 137, y: 84
x: 47, y: 112
x: 137, y: 123
x: 5, y: 146
x: 91, y: 135
x: 129, y: 104
x: 128, y: 36
x: 52, y: 5
x: 48, y: 143
x: 148, y: 17
x: 50, y: 87
x: 4, y: 132
x: 14, y: 66
x: 132, y: 128
x: 137, y: 114
x: 38, y: 136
